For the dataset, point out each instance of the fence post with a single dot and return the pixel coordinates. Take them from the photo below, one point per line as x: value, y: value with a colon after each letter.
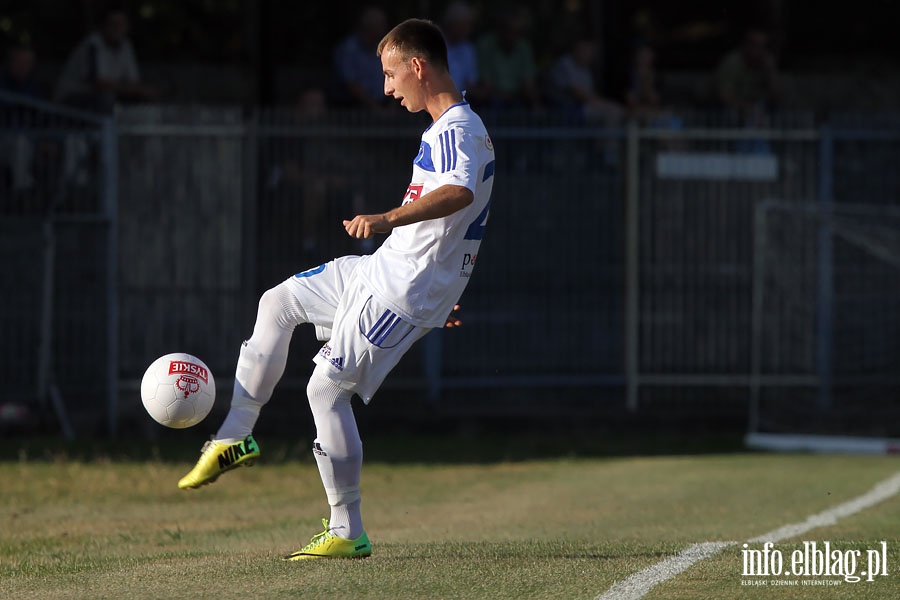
x: 249, y: 213
x: 45, y: 339
x: 825, y: 291
x: 756, y: 312
x: 110, y: 202
x: 632, y: 266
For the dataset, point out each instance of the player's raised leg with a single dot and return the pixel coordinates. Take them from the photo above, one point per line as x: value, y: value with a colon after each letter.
x: 260, y: 366
x: 308, y: 297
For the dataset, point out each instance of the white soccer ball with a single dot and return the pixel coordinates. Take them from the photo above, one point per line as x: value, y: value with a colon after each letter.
x: 178, y: 390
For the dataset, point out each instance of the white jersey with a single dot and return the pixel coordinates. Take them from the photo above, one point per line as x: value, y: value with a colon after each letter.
x: 421, y: 270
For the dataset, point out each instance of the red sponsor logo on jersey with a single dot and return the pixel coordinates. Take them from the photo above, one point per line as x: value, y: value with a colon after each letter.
x: 413, y: 192
x: 187, y: 368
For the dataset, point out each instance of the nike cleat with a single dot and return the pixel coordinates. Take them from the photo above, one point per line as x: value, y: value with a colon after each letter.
x: 329, y: 545
x: 218, y: 457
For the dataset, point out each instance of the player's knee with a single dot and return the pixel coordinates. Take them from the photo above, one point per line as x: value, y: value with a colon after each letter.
x: 269, y: 304
x: 280, y: 306
x: 314, y: 388
x: 323, y: 393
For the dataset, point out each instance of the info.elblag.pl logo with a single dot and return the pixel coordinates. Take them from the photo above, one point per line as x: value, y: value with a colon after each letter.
x: 818, y: 560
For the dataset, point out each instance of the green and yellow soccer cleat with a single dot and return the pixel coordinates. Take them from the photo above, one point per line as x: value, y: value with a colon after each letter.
x: 328, y: 545
x: 218, y: 457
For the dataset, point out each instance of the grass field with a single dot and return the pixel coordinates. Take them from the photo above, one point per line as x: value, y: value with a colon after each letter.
x: 89, y: 525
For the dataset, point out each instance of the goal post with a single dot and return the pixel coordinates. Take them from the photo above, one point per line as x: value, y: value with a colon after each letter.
x: 825, y: 356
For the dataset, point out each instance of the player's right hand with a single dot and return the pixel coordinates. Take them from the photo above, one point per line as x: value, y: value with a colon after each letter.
x: 365, y: 226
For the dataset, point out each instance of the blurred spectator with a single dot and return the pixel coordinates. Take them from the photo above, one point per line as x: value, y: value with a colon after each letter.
x: 506, y: 63
x: 642, y: 96
x: 747, y: 79
x: 18, y: 74
x: 297, y: 176
x: 103, y: 70
x: 360, y: 81
x: 21, y: 153
x: 311, y: 104
x: 306, y: 185
x: 643, y: 99
x: 571, y: 85
x: 459, y: 19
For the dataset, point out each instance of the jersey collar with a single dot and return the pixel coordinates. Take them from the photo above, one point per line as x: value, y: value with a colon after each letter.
x: 449, y: 108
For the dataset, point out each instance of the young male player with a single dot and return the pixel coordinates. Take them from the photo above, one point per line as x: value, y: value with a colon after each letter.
x: 370, y: 309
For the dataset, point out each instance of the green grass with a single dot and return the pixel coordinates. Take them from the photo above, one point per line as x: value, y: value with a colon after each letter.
x: 86, y: 526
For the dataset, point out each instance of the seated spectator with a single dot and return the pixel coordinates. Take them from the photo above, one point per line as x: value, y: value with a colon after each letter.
x: 747, y: 78
x: 21, y: 153
x: 462, y: 58
x: 306, y: 183
x: 506, y: 63
x: 643, y: 99
x: 642, y: 96
x: 359, y: 78
x: 103, y: 69
x: 571, y: 85
x: 18, y: 75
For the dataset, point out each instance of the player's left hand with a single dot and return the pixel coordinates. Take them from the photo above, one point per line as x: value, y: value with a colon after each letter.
x: 452, y: 319
x: 365, y: 226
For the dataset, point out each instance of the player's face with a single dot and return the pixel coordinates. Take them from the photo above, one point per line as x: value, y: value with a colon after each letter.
x: 401, y: 82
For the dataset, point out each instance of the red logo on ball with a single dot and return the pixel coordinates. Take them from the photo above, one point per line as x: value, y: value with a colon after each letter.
x: 187, y: 368
x: 187, y: 385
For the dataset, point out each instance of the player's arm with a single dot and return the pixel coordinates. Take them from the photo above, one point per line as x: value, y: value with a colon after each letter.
x: 438, y: 203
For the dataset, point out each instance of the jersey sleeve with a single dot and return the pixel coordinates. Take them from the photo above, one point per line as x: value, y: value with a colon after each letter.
x: 455, y: 158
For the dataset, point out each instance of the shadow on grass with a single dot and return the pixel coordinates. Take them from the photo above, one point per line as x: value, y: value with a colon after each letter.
x: 454, y: 447
x: 499, y: 551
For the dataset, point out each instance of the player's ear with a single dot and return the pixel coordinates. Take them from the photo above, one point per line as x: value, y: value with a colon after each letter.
x: 418, y: 66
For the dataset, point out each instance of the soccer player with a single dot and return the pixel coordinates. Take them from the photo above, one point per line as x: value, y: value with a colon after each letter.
x: 370, y: 309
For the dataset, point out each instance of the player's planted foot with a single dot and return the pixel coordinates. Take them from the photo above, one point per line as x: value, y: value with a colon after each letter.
x: 218, y: 457
x: 329, y: 545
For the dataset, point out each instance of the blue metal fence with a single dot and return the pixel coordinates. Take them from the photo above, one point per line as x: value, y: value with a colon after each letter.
x: 58, y: 214
x: 617, y: 273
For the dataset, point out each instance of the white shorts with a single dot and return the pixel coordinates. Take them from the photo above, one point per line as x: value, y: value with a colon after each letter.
x: 365, y: 340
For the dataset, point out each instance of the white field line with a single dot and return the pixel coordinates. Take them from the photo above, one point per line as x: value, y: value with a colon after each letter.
x: 638, y: 585
x: 881, y: 492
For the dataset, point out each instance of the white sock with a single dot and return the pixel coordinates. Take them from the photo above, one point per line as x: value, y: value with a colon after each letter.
x: 238, y: 423
x: 262, y: 361
x: 346, y: 520
x: 338, y: 453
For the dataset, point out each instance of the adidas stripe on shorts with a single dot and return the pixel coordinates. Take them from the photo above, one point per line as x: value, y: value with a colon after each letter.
x: 365, y: 339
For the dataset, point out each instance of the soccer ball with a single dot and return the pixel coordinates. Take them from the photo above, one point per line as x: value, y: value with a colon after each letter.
x: 178, y: 390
